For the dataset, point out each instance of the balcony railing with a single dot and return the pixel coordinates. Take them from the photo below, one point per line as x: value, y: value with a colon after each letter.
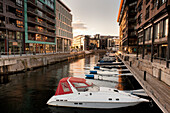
x: 2, y: 24
x: 50, y: 26
x: 45, y: 32
x: 31, y: 10
x: 32, y: 1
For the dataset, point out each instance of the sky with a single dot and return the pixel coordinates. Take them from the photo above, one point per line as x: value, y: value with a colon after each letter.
x: 92, y: 17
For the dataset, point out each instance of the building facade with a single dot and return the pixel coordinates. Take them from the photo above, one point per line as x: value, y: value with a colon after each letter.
x: 81, y: 42
x: 63, y: 27
x: 39, y: 26
x: 11, y: 26
x: 127, y: 23
x: 113, y: 43
x: 152, y: 28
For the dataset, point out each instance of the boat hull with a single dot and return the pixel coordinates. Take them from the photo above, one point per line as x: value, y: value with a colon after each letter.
x: 96, y: 105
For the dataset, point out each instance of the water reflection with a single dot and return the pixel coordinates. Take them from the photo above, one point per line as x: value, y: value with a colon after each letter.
x: 28, y: 92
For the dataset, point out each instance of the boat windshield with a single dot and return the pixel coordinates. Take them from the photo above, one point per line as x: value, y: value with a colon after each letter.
x: 82, y: 87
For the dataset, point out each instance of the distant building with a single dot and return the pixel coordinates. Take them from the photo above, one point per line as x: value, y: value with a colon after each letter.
x: 127, y: 23
x: 81, y: 42
x: 63, y: 27
x: 113, y: 43
x: 86, y: 42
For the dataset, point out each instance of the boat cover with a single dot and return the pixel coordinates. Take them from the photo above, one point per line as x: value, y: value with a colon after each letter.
x: 64, y: 87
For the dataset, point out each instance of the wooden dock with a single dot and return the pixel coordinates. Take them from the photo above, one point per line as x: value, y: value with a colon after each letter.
x: 156, y: 89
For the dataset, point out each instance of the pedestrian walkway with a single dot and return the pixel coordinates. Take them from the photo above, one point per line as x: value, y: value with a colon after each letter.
x: 157, y: 90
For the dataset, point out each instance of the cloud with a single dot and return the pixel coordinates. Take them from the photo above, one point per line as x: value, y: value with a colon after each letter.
x: 78, y: 25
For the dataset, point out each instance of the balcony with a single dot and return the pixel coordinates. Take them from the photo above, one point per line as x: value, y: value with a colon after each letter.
x: 32, y: 19
x: 43, y: 32
x: 2, y: 24
x: 50, y: 26
x: 11, y: 3
x: 14, y: 27
x: 32, y: 2
x: 50, y: 19
x: 50, y: 12
x: 33, y: 11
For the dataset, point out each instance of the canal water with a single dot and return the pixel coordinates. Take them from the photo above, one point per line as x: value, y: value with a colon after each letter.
x: 28, y: 92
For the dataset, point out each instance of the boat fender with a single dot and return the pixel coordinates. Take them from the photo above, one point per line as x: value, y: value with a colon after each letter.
x: 96, y: 67
x: 90, y: 76
x: 93, y: 72
x: 151, y: 103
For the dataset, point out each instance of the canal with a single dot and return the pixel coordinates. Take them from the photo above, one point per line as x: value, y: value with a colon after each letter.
x: 28, y: 92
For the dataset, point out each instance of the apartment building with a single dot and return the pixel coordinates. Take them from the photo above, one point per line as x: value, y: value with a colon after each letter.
x: 63, y: 27
x: 152, y: 28
x: 127, y: 23
x: 11, y: 26
x: 39, y: 22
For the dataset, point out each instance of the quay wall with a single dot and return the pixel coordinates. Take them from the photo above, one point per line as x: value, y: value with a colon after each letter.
x: 159, y: 71
x: 24, y: 63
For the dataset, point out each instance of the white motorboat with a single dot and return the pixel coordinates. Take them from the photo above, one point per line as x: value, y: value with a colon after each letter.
x: 77, y: 92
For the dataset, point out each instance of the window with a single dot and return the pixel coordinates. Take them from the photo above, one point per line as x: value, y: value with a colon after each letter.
x: 148, y: 34
x: 140, y: 19
x: 140, y: 6
x: 156, y: 27
x: 147, y: 1
x: 19, y: 23
x: 39, y: 20
x: 166, y: 27
x: 78, y: 84
x: 19, y: 13
x: 140, y: 36
x: 147, y: 12
x: 19, y: 3
x: 155, y: 3
x: 39, y: 4
x: 39, y: 13
x: 160, y: 2
x: 40, y: 29
x: 11, y: 35
x: 65, y: 87
x: 1, y: 8
x: 161, y: 29
x: 18, y: 34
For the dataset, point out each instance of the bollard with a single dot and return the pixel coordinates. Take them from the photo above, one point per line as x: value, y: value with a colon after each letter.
x: 130, y: 63
x: 144, y: 78
x: 137, y: 58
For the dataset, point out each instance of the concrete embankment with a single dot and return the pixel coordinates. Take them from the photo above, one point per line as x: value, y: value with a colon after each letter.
x: 24, y: 63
